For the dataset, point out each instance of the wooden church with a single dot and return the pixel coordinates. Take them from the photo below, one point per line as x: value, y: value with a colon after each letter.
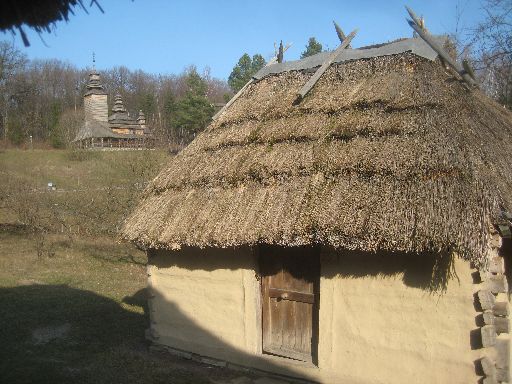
x: 117, y: 131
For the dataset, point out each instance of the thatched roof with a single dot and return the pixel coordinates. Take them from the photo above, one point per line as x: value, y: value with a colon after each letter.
x: 389, y: 152
x: 36, y: 14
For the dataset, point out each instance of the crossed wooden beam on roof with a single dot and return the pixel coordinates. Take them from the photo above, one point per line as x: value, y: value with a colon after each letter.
x: 340, y: 33
x: 416, y: 23
x: 279, y: 53
x: 345, y: 42
x: 464, y: 70
x: 278, y: 58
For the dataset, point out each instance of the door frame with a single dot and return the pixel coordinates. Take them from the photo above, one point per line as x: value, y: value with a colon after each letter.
x: 316, y: 252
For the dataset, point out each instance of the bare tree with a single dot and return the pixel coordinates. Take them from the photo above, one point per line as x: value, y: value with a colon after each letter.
x: 69, y: 123
x: 38, y: 98
x: 11, y: 62
x: 491, y: 44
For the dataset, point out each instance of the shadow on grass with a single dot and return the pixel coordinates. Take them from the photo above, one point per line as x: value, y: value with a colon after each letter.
x: 58, y: 334
x: 127, y: 258
x: 113, y: 253
x: 139, y: 299
x: 14, y: 228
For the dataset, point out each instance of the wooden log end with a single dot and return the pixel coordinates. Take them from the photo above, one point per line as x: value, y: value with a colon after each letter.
x: 501, y: 324
x: 497, y: 283
x: 502, y: 347
x: 503, y: 375
x: 488, y: 366
x: 490, y: 380
x: 488, y: 333
x: 484, y: 275
x: 501, y: 309
x: 486, y: 299
x: 488, y: 317
x: 497, y: 265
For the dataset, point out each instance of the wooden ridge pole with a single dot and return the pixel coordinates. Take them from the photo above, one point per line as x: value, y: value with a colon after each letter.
x: 468, y: 69
x: 232, y: 100
x: 275, y: 58
x: 334, y: 54
x: 340, y: 33
x: 419, y: 28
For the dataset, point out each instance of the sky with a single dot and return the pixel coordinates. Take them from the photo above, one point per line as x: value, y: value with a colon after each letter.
x: 166, y: 36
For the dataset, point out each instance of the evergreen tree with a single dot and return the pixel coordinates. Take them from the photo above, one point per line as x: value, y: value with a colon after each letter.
x: 312, y: 48
x: 258, y: 62
x: 194, y: 111
x: 15, y: 131
x: 244, y: 70
x: 147, y: 104
x: 56, y: 138
x: 170, y: 107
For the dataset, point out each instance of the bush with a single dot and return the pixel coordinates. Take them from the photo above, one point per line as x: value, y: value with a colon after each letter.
x: 15, y: 132
x: 57, y: 141
x: 82, y: 155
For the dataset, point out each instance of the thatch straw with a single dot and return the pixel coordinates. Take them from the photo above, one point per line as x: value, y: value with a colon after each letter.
x: 384, y: 153
x: 39, y: 15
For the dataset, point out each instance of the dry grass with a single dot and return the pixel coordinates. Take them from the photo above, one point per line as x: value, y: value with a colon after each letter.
x: 76, y: 313
x: 80, y: 169
x: 80, y: 316
x: 95, y: 190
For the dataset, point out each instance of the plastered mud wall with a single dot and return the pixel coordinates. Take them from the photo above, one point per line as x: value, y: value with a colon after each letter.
x: 383, y: 320
x: 206, y: 304
x: 382, y: 317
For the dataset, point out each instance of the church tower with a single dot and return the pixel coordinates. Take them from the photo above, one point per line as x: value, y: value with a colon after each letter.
x: 95, y: 99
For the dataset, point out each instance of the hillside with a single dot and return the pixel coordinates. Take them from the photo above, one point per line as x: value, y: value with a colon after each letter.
x: 73, y: 298
x: 94, y: 190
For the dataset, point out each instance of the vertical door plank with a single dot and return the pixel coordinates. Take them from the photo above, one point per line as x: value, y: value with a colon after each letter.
x: 290, y: 281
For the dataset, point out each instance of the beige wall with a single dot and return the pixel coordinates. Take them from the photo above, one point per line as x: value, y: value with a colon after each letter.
x: 199, y: 302
x: 379, y: 322
x: 387, y: 327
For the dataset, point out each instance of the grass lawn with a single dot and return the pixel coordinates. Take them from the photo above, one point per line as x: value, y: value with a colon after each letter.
x: 77, y: 313
x: 79, y: 316
x: 81, y: 169
x: 95, y: 189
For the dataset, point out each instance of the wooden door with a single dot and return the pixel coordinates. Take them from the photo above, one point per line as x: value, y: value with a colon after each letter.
x: 290, y: 282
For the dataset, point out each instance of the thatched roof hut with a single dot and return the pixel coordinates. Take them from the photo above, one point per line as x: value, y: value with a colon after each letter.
x: 387, y: 152
x: 306, y: 237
